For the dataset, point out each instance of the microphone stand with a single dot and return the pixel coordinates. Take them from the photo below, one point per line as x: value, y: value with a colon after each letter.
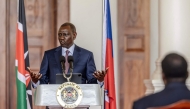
x: 62, y: 66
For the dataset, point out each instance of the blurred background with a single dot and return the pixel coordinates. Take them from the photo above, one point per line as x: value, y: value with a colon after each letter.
x: 135, y: 31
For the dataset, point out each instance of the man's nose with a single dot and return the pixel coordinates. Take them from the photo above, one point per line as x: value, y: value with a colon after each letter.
x: 62, y: 37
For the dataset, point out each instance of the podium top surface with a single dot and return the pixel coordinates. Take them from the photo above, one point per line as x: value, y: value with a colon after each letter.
x: 45, y: 95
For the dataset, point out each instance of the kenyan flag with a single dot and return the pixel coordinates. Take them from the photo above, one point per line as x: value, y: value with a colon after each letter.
x: 24, y: 93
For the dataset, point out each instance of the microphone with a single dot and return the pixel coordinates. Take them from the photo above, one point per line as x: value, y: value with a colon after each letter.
x: 62, y: 61
x: 70, y: 61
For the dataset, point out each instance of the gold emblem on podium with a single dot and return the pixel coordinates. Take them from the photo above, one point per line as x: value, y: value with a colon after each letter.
x: 69, y: 94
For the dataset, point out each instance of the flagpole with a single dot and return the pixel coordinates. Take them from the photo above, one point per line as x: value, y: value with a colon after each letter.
x: 102, y: 66
x: 102, y: 35
x: 17, y: 9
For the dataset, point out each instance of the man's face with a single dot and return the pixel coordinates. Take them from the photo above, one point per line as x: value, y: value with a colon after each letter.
x: 66, y: 36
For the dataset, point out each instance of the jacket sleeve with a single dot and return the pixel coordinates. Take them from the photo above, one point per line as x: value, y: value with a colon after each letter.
x: 44, y: 70
x: 90, y: 69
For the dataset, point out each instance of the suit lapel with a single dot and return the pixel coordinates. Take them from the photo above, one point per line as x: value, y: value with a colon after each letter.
x: 57, y: 54
x: 76, y: 55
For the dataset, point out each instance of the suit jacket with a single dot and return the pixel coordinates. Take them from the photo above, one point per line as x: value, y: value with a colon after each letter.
x: 172, y: 92
x: 83, y: 63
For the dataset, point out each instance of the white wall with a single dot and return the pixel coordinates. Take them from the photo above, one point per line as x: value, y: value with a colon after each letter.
x: 87, y: 16
x: 154, y: 34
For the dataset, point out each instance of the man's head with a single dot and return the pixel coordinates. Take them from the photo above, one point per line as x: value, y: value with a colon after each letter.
x: 67, y: 34
x: 174, y: 68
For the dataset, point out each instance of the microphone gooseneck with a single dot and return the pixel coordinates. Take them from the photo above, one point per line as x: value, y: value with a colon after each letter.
x: 62, y: 61
x: 71, y: 60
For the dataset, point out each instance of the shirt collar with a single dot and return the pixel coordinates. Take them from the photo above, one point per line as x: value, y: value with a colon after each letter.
x: 71, y: 50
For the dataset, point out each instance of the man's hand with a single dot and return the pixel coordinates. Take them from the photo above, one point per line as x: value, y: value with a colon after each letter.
x: 34, y: 76
x: 100, y: 75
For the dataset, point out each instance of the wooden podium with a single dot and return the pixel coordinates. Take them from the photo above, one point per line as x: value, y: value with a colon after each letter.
x: 45, y: 95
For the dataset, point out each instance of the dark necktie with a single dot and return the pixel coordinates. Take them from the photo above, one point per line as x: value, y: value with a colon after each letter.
x: 66, y: 62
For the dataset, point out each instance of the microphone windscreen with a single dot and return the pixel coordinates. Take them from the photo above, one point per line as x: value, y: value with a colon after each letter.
x: 70, y: 59
x: 62, y: 59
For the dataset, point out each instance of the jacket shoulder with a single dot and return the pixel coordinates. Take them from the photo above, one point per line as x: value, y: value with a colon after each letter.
x: 53, y: 50
x: 83, y: 50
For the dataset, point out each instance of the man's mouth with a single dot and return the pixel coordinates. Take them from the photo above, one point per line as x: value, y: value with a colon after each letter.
x: 62, y: 42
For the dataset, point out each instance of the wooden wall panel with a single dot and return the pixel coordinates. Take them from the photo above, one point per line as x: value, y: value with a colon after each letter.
x: 11, y: 97
x: 3, y: 55
x: 133, y: 32
x: 42, y: 18
x: 40, y: 25
x: 62, y: 17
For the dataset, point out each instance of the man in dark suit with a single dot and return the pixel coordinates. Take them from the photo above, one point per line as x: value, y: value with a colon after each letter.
x: 83, y: 60
x: 174, y: 75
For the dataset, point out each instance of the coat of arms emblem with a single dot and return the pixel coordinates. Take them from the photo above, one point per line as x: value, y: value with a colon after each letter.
x: 69, y: 95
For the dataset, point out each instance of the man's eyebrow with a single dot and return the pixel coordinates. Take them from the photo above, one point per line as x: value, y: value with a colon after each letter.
x: 64, y: 32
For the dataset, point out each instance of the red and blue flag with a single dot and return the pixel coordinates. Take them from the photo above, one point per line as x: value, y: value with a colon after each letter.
x: 109, y: 82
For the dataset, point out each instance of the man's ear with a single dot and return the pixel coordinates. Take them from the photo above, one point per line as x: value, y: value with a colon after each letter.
x: 187, y: 75
x: 75, y: 35
x: 164, y: 78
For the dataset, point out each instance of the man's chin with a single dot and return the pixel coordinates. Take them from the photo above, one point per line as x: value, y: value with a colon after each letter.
x: 62, y: 45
